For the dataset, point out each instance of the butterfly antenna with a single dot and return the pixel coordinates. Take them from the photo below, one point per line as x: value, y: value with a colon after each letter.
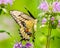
x: 30, y: 13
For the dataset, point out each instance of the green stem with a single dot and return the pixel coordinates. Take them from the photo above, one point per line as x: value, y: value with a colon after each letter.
x: 34, y: 39
x: 48, y: 37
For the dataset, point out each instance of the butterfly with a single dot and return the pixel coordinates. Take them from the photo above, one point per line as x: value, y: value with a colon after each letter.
x: 26, y: 22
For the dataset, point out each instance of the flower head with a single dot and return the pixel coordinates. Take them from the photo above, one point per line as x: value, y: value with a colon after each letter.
x: 6, y: 2
x: 44, y: 20
x: 18, y: 45
x: 58, y: 22
x: 56, y: 6
x: 52, y: 18
x: 43, y: 6
x: 28, y: 44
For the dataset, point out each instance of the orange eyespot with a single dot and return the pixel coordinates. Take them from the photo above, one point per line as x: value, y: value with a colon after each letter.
x: 26, y: 30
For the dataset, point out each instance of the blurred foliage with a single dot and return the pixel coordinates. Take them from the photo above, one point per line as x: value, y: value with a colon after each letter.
x: 11, y: 27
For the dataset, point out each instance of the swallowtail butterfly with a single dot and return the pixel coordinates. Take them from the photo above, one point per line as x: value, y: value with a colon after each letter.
x: 26, y: 23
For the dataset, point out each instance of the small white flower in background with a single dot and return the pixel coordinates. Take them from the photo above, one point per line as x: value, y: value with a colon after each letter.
x: 42, y: 26
x: 41, y: 14
x: 6, y: 2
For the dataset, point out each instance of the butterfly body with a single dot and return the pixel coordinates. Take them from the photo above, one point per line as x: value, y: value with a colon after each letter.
x: 25, y: 22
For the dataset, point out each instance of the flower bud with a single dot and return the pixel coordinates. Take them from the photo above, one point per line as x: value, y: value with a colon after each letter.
x: 44, y: 20
x: 58, y: 22
x: 52, y: 18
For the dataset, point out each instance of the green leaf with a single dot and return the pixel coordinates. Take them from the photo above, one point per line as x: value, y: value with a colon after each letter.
x: 2, y: 31
x: 0, y: 11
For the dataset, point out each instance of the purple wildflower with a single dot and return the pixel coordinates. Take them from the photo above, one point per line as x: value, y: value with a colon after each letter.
x: 6, y: 2
x: 0, y: 1
x: 44, y: 20
x: 56, y: 6
x: 28, y: 44
x: 52, y: 18
x: 18, y: 45
x: 43, y: 6
x: 58, y: 22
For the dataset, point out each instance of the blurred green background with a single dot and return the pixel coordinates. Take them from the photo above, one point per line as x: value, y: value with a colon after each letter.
x: 9, y: 25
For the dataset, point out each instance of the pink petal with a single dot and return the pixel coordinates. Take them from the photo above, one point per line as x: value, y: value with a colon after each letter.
x: 6, y: 2
x: 44, y: 6
x: 0, y: 1
x: 56, y: 6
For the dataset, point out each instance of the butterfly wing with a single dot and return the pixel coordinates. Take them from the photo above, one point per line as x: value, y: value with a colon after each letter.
x: 25, y: 22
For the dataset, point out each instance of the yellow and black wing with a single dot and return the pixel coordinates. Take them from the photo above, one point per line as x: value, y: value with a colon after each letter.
x: 26, y: 22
